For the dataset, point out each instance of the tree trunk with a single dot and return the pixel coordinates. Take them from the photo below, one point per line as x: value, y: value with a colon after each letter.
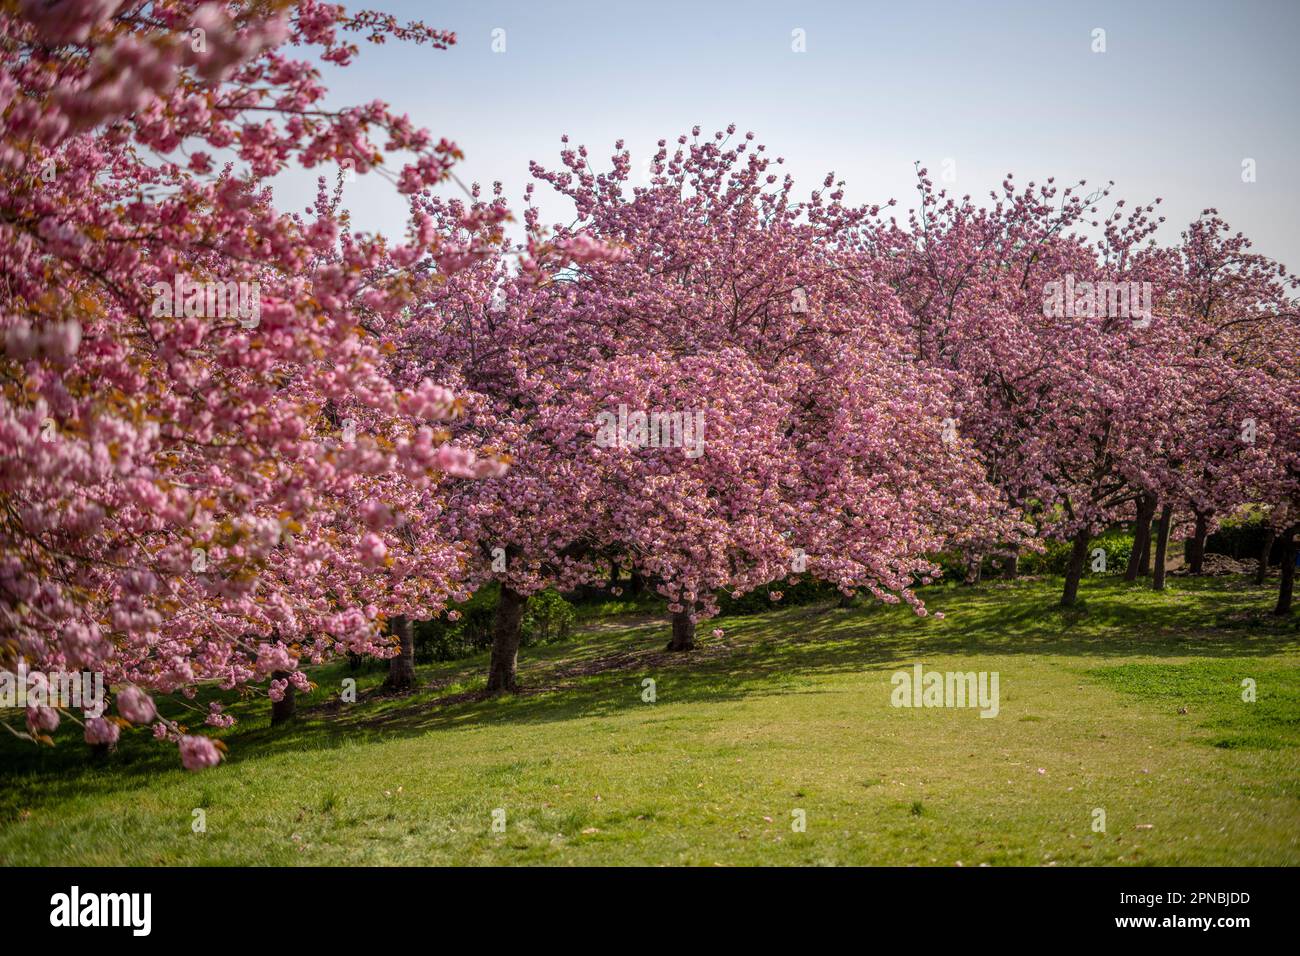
x: 1286, y: 588
x: 1261, y: 572
x: 846, y: 600
x: 974, y: 567
x: 683, y: 633
x: 506, y: 633
x: 401, y: 669
x: 1139, y: 557
x: 283, y: 709
x: 1074, y: 571
x: 1196, y: 547
x: 1162, y: 547
x: 1013, y: 563
x: 1144, y: 563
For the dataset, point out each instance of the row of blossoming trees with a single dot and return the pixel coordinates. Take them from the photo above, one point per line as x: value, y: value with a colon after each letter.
x: 197, y: 424
x: 974, y: 379
x: 194, y: 493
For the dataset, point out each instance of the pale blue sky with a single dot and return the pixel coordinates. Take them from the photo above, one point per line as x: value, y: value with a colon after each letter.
x: 1184, y: 92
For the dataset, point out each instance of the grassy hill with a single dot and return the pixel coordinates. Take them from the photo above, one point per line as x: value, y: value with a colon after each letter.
x: 1131, y: 704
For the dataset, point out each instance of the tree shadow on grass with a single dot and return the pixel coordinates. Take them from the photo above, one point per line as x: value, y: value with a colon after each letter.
x: 775, y: 653
x: 599, y: 673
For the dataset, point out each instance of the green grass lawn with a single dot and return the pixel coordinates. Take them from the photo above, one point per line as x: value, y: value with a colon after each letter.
x: 1131, y: 704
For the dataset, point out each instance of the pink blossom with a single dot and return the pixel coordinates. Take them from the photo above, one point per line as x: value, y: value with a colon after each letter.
x: 274, y: 657
x: 372, y: 548
x: 135, y: 705
x: 42, y: 720
x: 198, y: 752
x: 101, y: 730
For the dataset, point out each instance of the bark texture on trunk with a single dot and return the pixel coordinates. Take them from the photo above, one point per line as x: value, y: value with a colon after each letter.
x: 1286, y: 589
x: 1013, y: 564
x: 683, y: 633
x: 1162, y: 547
x: 1138, y: 559
x: 506, y: 633
x: 1074, y: 570
x: 1144, y: 563
x: 401, y: 669
x: 1261, y: 572
x: 1196, y: 547
x: 283, y: 709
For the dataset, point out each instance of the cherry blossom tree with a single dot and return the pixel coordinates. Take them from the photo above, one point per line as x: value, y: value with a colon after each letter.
x: 1240, y: 326
x: 1056, y: 383
x: 239, y: 441
x: 209, y: 476
x: 1100, y: 378
x: 839, y: 477
x: 702, y: 385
